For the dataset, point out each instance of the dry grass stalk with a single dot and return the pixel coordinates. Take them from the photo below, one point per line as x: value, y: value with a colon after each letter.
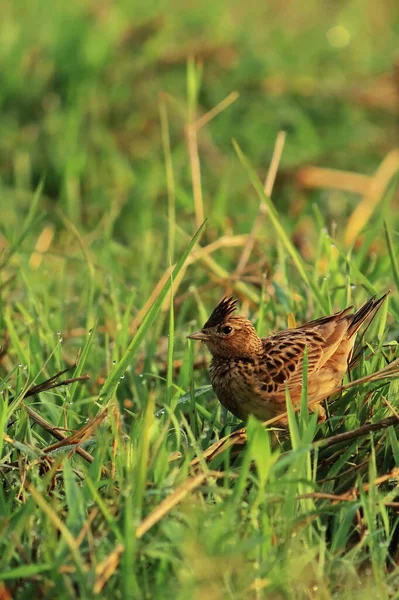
x: 268, y: 187
x: 166, y: 505
x: 318, y: 177
x: 373, y: 196
x: 107, y: 567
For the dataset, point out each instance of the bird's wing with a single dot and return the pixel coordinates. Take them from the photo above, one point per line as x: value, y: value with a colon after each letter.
x: 283, y: 354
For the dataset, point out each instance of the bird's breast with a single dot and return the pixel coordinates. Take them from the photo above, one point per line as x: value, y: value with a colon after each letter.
x: 233, y: 370
x: 233, y: 382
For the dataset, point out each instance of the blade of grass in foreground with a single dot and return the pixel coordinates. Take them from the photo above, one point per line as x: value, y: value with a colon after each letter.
x: 25, y: 571
x: 82, y: 361
x: 137, y: 472
x: 169, y: 374
x: 119, y: 369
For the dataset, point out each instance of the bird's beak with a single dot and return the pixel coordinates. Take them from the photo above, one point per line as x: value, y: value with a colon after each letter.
x: 198, y: 335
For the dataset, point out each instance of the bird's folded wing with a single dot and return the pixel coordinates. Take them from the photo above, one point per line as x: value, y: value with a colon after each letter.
x: 283, y: 357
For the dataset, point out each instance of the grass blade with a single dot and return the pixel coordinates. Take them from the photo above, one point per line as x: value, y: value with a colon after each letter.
x: 119, y: 369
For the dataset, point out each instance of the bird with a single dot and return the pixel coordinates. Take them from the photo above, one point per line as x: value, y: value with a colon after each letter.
x: 250, y: 375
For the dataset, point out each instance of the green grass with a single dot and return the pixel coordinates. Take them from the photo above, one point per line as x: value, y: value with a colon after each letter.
x: 104, y: 116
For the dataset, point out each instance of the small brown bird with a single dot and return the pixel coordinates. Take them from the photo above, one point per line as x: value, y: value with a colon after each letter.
x: 249, y: 374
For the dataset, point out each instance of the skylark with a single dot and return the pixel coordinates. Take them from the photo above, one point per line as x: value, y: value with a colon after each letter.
x: 250, y: 374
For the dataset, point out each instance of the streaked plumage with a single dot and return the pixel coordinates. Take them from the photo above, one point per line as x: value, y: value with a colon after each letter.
x: 249, y: 374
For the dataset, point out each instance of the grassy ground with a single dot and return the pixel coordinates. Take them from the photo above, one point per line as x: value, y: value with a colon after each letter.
x: 117, y: 125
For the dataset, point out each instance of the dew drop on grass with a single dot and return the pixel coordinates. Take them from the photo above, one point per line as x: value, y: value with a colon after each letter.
x: 122, y: 377
x: 114, y: 362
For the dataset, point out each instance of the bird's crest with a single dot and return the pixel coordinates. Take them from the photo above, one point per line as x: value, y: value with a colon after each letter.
x: 221, y: 312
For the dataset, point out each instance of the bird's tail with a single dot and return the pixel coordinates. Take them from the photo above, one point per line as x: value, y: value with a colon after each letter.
x: 369, y: 309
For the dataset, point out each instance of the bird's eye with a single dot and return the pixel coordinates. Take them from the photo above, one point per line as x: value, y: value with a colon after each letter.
x: 227, y: 329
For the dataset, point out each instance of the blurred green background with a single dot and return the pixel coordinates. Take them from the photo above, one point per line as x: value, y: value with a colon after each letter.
x: 80, y: 88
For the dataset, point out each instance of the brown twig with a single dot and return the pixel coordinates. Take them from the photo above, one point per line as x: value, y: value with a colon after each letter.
x: 356, y: 433
x: 354, y: 492
x: 50, y: 384
x: 81, y: 435
x: 55, y: 432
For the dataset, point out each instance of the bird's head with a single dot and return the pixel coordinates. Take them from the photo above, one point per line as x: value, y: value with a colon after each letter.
x: 226, y: 334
